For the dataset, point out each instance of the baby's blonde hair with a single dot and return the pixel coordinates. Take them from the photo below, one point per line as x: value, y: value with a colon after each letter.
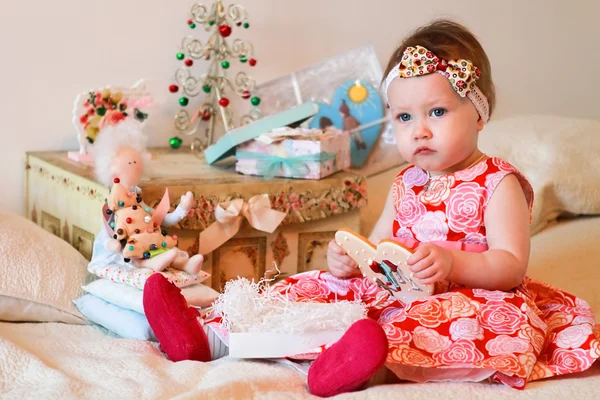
x: 450, y: 40
x: 126, y: 133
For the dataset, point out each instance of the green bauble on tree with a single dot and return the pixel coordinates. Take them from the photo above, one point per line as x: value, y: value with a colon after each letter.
x: 175, y: 142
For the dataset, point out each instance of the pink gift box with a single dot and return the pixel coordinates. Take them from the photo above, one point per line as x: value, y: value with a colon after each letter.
x: 298, y: 156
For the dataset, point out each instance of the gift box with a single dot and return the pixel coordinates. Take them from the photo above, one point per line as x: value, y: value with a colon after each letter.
x: 275, y: 146
x: 226, y: 145
x: 257, y: 320
x: 279, y: 345
x: 295, y: 153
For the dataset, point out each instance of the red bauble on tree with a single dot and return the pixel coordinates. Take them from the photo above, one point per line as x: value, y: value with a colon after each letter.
x: 252, y: 62
x: 224, y: 101
x: 225, y: 30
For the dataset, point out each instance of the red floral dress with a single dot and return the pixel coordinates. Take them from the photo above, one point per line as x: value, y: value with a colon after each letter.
x: 532, y: 332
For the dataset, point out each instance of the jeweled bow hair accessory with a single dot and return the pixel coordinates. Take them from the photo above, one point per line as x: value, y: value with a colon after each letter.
x: 461, y: 74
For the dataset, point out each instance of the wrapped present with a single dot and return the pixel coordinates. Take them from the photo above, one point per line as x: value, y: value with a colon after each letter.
x: 274, y: 146
x: 295, y: 153
x: 226, y: 145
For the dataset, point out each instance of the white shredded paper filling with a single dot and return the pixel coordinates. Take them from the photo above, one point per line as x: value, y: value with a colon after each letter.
x: 247, y: 306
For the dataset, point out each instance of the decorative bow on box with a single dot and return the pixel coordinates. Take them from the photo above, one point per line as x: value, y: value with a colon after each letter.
x: 229, y: 216
x: 268, y: 165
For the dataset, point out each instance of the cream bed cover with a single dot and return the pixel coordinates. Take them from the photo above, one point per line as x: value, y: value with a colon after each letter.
x: 60, y: 361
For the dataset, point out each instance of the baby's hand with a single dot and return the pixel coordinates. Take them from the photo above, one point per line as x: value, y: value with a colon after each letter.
x: 430, y: 263
x: 340, y: 264
x: 186, y: 201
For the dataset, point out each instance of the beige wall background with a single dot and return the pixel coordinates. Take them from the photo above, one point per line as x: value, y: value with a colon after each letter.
x: 543, y: 52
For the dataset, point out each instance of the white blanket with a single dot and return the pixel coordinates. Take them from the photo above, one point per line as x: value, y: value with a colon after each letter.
x: 58, y: 361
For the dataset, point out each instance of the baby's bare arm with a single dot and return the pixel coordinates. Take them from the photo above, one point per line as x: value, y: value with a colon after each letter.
x: 504, y: 265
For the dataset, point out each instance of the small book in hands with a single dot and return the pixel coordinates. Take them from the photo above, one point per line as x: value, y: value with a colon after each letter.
x: 384, y: 264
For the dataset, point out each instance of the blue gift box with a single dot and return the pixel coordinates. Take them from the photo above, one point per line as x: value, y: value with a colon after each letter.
x: 225, y: 146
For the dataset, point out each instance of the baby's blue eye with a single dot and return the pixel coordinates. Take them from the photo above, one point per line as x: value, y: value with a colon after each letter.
x: 438, y: 112
x: 404, y: 117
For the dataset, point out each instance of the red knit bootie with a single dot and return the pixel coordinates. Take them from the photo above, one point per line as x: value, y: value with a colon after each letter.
x: 351, y: 362
x: 174, y: 323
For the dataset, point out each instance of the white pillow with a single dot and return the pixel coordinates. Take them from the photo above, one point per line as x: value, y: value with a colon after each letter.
x: 130, y: 298
x: 119, y: 294
x: 40, y: 274
x: 559, y: 155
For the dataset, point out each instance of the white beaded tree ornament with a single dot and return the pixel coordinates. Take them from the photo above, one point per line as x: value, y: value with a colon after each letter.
x: 213, y: 83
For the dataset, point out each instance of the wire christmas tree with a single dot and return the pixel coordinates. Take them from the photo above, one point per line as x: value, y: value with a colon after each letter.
x: 213, y: 83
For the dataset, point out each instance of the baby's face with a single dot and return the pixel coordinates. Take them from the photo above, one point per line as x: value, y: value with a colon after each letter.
x: 435, y: 128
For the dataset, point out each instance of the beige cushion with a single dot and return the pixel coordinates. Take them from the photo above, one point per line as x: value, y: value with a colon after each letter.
x: 14, y: 309
x: 559, y: 155
x: 40, y: 274
x: 567, y: 256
